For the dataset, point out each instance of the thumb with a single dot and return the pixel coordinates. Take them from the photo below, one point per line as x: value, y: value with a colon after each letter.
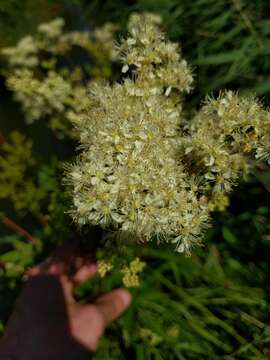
x: 113, y: 304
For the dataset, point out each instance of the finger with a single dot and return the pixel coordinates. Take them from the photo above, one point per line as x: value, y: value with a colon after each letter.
x: 48, y: 267
x: 113, y: 304
x: 85, y: 273
x: 67, y: 259
x: 67, y: 287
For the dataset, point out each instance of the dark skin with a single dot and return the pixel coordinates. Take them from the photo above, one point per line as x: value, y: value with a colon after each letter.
x: 47, y: 323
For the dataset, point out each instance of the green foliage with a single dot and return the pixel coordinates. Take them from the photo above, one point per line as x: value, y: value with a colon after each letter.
x: 16, y: 162
x: 210, y: 306
x: 21, y: 254
x: 188, y: 309
x: 18, y: 17
x: 29, y: 185
x: 226, y: 41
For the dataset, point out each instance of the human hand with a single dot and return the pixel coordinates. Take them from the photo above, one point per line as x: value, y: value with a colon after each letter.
x: 48, y: 323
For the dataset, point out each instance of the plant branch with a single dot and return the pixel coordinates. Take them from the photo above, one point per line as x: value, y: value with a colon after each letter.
x: 17, y: 228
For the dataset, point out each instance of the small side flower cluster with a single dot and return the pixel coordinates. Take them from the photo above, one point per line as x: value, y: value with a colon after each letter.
x: 130, y: 272
x: 144, y: 170
x: 224, y: 134
x: 45, y: 83
x: 104, y: 267
x: 131, y: 277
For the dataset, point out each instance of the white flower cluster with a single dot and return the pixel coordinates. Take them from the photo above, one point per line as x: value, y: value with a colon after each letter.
x: 139, y: 172
x: 129, y: 175
x: 52, y: 38
x: 222, y: 136
x: 40, y: 97
x: 43, y: 81
x: 25, y: 53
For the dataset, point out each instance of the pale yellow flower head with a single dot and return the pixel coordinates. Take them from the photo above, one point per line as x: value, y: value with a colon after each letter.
x: 47, y: 87
x: 144, y: 170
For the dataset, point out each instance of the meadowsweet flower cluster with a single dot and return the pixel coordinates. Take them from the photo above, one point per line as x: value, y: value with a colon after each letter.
x: 131, y: 273
x: 223, y: 136
x: 144, y: 170
x: 129, y: 270
x: 45, y: 73
x: 104, y: 267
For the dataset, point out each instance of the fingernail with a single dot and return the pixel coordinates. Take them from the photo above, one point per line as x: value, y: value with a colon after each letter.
x: 125, y: 296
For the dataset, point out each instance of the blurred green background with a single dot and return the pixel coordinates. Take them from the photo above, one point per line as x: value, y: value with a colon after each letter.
x: 213, y: 305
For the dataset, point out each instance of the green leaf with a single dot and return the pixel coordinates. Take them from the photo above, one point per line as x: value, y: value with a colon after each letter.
x: 229, y: 236
x: 218, y: 59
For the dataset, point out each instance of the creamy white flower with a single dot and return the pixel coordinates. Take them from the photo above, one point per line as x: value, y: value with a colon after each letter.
x: 153, y: 172
x: 125, y: 68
